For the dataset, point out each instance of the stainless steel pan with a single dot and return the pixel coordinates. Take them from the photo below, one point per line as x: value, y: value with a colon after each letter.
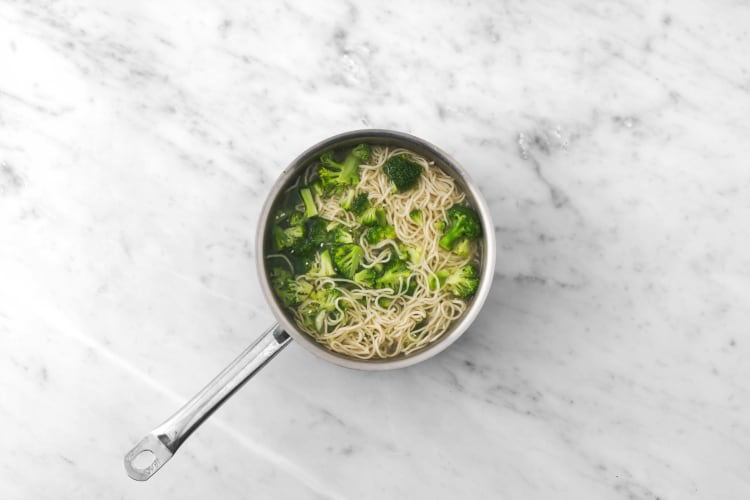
x: 154, y: 450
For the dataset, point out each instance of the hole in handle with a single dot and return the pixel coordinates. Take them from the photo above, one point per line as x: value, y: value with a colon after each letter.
x: 146, y: 458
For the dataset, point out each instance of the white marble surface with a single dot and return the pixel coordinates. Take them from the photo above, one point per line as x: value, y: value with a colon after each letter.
x: 138, y: 140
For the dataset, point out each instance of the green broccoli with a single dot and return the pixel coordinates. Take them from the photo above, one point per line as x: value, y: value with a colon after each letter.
x: 302, y: 288
x: 461, y: 282
x: 437, y: 280
x: 463, y: 222
x: 339, y: 175
x: 286, y: 238
x: 326, y: 298
x: 313, y: 317
x: 347, y: 258
x: 362, y: 152
x: 307, y: 198
x: 296, y: 218
x: 290, y: 291
x: 462, y: 248
x: 375, y: 235
x: 416, y: 216
x: 302, y: 247
x: 412, y: 254
x: 342, y: 234
x: 280, y: 279
x: 365, y: 278
x: 295, y: 231
x: 320, y: 305
x: 402, y: 172
x: 317, y: 187
x: 323, y: 265
x: 355, y: 203
x: 347, y: 199
x: 395, y: 276
x: 373, y: 216
x: 317, y: 230
x: 360, y: 203
x: 385, y: 302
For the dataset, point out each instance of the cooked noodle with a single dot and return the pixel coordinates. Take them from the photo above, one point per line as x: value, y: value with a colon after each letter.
x: 382, y: 323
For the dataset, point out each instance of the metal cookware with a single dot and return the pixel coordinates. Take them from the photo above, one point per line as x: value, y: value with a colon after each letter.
x: 154, y: 450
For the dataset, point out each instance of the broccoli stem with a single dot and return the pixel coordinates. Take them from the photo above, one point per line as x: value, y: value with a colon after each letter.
x: 307, y: 198
x: 449, y: 237
x: 326, y: 264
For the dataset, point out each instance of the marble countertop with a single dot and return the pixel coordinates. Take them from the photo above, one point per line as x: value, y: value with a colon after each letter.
x: 139, y: 139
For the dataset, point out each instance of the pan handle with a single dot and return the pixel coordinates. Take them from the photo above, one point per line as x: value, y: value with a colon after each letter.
x: 154, y: 450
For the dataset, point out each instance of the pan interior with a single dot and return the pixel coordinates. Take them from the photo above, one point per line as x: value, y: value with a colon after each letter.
x: 441, y: 160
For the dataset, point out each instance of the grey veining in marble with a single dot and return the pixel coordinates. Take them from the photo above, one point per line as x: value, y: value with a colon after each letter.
x: 139, y: 139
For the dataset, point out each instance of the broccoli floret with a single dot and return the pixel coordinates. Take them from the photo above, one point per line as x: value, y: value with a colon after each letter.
x: 296, y: 218
x: 326, y: 298
x: 380, y: 217
x: 302, y: 247
x: 362, y: 152
x: 323, y: 265
x: 342, y: 235
x: 462, y: 282
x: 347, y: 199
x: 463, y: 222
x: 437, y: 280
x: 286, y: 238
x: 395, y: 276
x: 290, y: 291
x: 317, y: 187
x: 317, y: 231
x: 462, y: 248
x: 313, y: 316
x: 385, y: 302
x: 321, y: 304
x: 365, y: 278
x: 280, y: 279
x: 302, y: 289
x: 307, y: 198
x: 377, y: 234
x: 326, y: 264
x: 416, y: 216
x: 339, y: 175
x: 360, y: 203
x: 347, y: 258
x: 402, y: 172
x: 373, y: 216
x: 295, y: 232
x: 413, y: 254
x: 355, y: 203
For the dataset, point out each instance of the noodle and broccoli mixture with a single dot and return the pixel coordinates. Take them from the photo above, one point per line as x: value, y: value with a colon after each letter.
x: 374, y: 251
